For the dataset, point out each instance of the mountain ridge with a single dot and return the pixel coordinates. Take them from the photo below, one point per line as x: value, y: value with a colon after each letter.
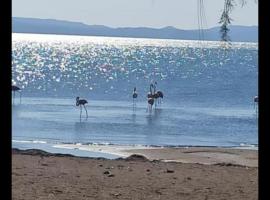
x: 237, y: 33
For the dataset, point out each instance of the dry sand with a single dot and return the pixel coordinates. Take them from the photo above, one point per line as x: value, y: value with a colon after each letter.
x: 225, y: 174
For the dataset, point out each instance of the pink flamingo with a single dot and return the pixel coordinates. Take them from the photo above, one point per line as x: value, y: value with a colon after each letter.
x: 81, y: 102
x: 134, y: 96
x: 256, y: 102
x: 15, y: 89
x: 151, y: 98
x: 159, y: 94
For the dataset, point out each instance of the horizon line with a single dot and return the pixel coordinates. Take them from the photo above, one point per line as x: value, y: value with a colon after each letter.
x: 63, y: 20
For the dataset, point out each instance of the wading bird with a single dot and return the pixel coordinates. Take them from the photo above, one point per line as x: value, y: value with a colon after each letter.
x: 151, y: 97
x: 160, y: 96
x: 134, y: 96
x: 150, y: 100
x: 15, y: 89
x: 157, y: 95
x: 256, y: 102
x: 81, y: 102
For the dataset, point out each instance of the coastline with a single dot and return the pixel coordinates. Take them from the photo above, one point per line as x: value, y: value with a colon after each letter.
x: 202, y: 155
x: 240, y: 155
x: 37, y: 174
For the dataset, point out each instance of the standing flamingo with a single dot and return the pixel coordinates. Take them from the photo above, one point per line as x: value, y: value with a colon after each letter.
x: 158, y: 94
x: 80, y: 102
x: 256, y: 102
x: 150, y: 100
x: 14, y: 89
x: 134, y: 96
x: 151, y: 97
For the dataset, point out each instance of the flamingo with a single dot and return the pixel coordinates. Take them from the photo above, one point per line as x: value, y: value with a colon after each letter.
x: 155, y: 95
x: 158, y: 94
x: 150, y: 100
x: 256, y: 102
x: 80, y: 102
x: 14, y: 89
x: 151, y: 97
x: 134, y: 96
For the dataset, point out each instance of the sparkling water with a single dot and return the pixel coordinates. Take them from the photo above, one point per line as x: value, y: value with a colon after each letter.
x: 208, y: 91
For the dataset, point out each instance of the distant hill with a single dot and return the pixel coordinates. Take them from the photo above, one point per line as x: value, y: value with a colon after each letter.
x: 51, y: 26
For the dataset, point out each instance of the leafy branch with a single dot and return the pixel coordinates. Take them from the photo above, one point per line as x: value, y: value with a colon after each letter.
x: 225, y: 19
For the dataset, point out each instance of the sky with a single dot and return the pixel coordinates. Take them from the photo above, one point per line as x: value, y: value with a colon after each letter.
x: 181, y: 14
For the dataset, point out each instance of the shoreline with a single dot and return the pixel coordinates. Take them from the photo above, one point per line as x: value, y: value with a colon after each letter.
x: 201, y: 155
x: 208, y: 154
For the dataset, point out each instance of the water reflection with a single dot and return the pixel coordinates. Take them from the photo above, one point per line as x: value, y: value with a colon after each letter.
x: 133, y: 117
x: 80, y: 126
x: 16, y: 110
x: 154, y: 116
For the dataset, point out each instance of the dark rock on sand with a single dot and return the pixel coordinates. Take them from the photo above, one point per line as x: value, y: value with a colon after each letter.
x: 169, y: 171
x: 136, y: 157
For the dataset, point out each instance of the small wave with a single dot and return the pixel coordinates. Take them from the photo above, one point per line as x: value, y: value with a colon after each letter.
x: 30, y: 141
x: 248, y: 146
x: 21, y: 141
x: 240, y: 146
x: 137, y: 145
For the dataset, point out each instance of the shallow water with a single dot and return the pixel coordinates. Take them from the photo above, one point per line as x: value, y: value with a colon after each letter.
x: 117, y: 122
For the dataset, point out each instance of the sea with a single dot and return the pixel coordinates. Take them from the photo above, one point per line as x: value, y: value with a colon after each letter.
x: 208, y: 89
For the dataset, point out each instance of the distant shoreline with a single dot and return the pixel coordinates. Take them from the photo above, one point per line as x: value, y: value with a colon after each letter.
x: 59, y: 27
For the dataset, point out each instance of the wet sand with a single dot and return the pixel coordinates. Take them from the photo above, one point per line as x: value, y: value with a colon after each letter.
x: 224, y: 174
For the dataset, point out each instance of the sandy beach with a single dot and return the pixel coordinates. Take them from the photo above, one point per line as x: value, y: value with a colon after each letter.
x: 167, y: 173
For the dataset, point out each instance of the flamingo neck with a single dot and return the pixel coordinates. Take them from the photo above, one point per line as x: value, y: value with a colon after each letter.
x: 151, y: 86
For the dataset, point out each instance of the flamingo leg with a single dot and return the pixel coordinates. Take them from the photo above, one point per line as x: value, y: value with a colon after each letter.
x: 12, y: 97
x: 85, y: 110
x: 256, y: 109
x: 80, y: 111
x: 20, y: 97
